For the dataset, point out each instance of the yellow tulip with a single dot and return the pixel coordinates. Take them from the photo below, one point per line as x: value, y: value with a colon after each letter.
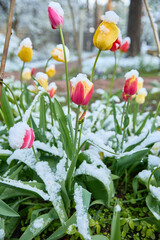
x: 26, y: 74
x: 140, y: 98
x: 51, y: 71
x: 107, y: 32
x: 58, y: 55
x: 25, y: 52
x: 140, y: 83
x: 42, y: 79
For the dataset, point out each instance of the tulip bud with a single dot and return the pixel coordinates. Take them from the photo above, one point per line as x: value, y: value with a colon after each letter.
x: 33, y: 71
x: 140, y: 98
x: 42, y: 79
x: 117, y: 44
x: 26, y: 74
x: 82, y: 117
x: 130, y: 86
x: 107, y: 32
x: 52, y: 89
x: 125, y: 44
x: 55, y: 14
x: 25, y: 51
x: 81, y: 89
x: 50, y: 70
x: 21, y: 136
x: 58, y: 55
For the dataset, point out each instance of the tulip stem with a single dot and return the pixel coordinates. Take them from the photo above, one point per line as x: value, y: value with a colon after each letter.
x: 123, y: 113
x: 35, y: 154
x: 21, y: 75
x: 13, y: 98
x: 123, y: 136
x: 113, y: 77
x: 66, y: 69
x: 80, y: 133
x: 91, y: 78
x: 74, y: 156
x: 136, y: 109
x: 47, y: 64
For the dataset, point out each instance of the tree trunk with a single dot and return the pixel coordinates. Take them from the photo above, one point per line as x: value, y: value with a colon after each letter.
x: 134, y: 26
x: 75, y: 37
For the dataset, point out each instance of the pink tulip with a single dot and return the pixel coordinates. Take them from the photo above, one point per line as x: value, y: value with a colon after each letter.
x: 21, y: 136
x: 125, y: 45
x: 55, y: 14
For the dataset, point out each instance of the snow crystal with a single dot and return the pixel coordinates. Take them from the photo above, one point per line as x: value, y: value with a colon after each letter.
x: 82, y: 217
x: 52, y: 85
x: 153, y: 161
x: 57, y: 7
x: 131, y: 73
x: 155, y: 192
x: 2, y: 234
x: 17, y: 134
x: 38, y: 223
x: 80, y: 77
x: 110, y: 17
x: 100, y: 173
x: 142, y: 91
x: 144, y: 175
x: 21, y: 185
x: 103, y: 29
x: 24, y: 155
x: 117, y: 208
x: 25, y: 43
x: 40, y: 75
x: 45, y: 147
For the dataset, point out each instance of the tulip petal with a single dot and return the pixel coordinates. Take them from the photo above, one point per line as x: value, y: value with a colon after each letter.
x: 26, y: 139
x: 77, y: 94
x: 88, y: 96
x: 54, y: 18
x: 31, y: 138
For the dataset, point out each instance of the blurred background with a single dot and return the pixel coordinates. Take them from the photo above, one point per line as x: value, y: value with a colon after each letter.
x: 81, y: 20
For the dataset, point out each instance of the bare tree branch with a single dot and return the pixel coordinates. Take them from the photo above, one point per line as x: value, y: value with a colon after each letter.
x: 6, y: 44
x: 153, y: 27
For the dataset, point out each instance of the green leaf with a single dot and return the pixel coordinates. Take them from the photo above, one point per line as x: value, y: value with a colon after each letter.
x: 43, y: 221
x: 117, y: 127
x: 99, y: 237
x: 153, y: 206
x: 6, y: 110
x: 115, y: 225
x: 126, y: 121
x: 155, y: 117
x: 128, y: 160
x: 65, y: 135
x: 142, y: 125
x: 5, y: 210
x: 60, y: 232
x: 132, y: 146
x: 38, y: 135
x: 42, y: 117
x: 136, y: 108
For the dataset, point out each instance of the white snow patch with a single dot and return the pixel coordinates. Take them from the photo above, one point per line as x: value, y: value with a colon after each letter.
x: 25, y: 43
x: 41, y: 75
x: 110, y: 17
x: 117, y: 208
x: 155, y: 192
x: 57, y: 7
x: 142, y: 91
x: 23, y: 155
x: 38, y: 223
x: 153, y: 161
x: 81, y: 77
x: 144, y: 175
x: 52, y: 85
x: 2, y: 234
x: 131, y: 73
x: 45, y: 147
x: 82, y: 217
